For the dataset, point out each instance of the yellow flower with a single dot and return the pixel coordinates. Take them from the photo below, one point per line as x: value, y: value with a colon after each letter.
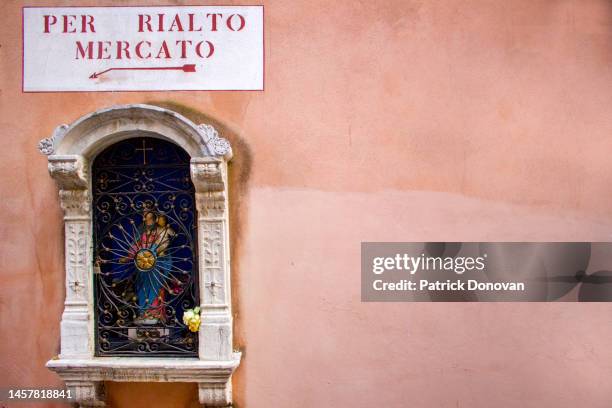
x: 191, y: 317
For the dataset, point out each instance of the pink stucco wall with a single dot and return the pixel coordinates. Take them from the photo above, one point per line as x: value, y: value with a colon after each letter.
x: 397, y: 120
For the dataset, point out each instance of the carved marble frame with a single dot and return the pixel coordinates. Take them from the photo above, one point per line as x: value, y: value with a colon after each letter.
x: 71, y: 150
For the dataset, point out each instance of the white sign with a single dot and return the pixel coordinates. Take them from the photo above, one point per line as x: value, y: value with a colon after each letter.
x: 143, y: 48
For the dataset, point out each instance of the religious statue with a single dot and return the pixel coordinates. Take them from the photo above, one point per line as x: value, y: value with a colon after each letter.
x: 152, y: 267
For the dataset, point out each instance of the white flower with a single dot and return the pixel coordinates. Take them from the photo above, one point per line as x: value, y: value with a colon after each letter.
x: 187, y: 316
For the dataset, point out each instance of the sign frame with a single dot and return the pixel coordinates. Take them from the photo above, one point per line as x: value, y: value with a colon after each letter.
x: 183, y: 6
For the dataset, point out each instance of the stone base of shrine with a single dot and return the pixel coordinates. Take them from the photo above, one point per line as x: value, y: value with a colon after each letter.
x: 85, y: 377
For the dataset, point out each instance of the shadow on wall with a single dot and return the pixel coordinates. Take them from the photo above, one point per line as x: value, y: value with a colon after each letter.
x: 239, y: 171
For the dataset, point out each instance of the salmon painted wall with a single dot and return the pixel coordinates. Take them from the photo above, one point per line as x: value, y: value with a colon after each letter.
x: 396, y: 121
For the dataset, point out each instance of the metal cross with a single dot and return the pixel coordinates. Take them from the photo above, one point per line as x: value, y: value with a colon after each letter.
x: 213, y: 286
x: 144, y: 151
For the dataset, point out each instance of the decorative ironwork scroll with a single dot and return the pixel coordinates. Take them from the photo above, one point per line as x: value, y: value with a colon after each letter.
x: 145, y: 266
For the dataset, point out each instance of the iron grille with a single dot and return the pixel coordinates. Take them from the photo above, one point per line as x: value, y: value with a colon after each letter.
x: 145, y: 269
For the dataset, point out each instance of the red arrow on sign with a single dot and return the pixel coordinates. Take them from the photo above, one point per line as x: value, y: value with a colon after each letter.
x: 184, y: 68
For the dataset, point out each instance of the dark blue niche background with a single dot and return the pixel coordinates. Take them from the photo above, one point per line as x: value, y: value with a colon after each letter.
x: 145, y: 261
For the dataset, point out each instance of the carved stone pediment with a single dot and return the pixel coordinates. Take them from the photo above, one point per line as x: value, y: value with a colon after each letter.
x: 75, y: 203
x: 68, y: 172
x: 207, y: 174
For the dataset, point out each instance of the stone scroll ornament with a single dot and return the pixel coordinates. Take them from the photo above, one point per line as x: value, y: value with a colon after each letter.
x: 46, y: 145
